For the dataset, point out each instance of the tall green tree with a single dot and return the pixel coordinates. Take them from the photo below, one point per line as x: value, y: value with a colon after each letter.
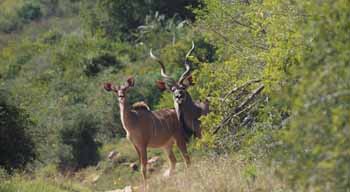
x: 299, y: 51
x: 314, y: 143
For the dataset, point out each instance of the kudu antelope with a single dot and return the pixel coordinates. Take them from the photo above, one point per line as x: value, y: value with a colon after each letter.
x: 188, y: 111
x: 146, y: 128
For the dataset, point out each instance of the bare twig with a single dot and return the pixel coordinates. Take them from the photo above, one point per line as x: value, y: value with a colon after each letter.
x: 250, y: 97
x: 241, y: 86
x: 231, y: 116
x: 243, y: 24
x: 240, y: 109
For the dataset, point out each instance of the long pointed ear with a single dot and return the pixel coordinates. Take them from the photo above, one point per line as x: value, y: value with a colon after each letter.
x: 188, y: 81
x: 108, y: 86
x: 131, y: 81
x: 161, y: 85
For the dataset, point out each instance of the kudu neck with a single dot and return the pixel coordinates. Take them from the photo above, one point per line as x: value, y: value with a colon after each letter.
x: 125, y: 112
x: 123, y: 104
x: 188, y: 99
x: 186, y: 104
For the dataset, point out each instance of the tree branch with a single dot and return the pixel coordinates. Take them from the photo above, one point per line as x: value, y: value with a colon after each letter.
x: 241, y: 86
x: 240, y: 109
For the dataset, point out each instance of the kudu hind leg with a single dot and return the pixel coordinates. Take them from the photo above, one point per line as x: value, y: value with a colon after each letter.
x: 138, y: 153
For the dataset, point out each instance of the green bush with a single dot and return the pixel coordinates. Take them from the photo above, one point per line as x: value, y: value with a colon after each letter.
x: 79, y: 147
x: 101, y: 62
x: 3, y: 174
x: 313, y: 147
x: 9, y: 23
x: 299, y: 50
x: 29, y: 12
x: 120, y: 19
x: 17, y: 148
x: 13, y: 19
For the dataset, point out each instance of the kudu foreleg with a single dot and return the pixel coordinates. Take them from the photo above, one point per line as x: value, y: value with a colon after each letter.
x: 181, y: 144
x: 172, y: 160
x: 143, y: 160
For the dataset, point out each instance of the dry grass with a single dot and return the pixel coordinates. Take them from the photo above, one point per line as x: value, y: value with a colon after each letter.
x: 220, y: 174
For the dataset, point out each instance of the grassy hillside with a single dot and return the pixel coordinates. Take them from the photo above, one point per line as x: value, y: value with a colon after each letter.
x: 208, y: 173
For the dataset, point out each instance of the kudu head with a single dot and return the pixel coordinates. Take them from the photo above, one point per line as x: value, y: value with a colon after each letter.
x: 178, y: 88
x: 120, y: 90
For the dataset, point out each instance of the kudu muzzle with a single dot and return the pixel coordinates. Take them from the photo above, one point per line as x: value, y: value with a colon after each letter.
x: 179, y: 96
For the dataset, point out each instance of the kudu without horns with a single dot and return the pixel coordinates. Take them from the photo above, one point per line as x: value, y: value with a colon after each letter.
x: 146, y: 128
x: 187, y: 111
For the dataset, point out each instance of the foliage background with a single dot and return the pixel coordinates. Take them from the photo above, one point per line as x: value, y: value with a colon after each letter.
x: 55, y: 56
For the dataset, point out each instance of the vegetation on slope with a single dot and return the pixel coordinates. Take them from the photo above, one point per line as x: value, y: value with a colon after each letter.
x: 275, y: 72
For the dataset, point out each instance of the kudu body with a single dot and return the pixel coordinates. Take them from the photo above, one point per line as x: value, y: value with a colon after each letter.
x: 146, y: 128
x: 188, y: 111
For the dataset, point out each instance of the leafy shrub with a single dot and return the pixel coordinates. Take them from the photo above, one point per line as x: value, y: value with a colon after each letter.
x: 115, y: 18
x: 29, y: 12
x: 100, y: 62
x: 3, y: 174
x: 313, y: 146
x: 302, y: 120
x: 16, y: 145
x: 181, y: 8
x: 52, y: 37
x: 13, y: 19
x: 119, y: 19
x: 9, y: 23
x: 79, y: 147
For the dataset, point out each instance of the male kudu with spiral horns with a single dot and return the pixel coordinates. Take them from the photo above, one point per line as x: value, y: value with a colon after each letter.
x: 187, y: 111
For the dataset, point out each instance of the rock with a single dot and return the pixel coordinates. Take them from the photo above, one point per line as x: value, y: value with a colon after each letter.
x: 126, y: 189
x: 95, y: 178
x: 133, y: 166
x: 112, y: 155
x: 167, y: 173
x: 153, y: 160
x: 116, y: 190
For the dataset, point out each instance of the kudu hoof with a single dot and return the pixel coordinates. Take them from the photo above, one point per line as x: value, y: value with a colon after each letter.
x: 168, y: 173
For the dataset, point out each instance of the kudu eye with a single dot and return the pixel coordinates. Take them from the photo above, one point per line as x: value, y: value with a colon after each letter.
x: 173, y: 89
